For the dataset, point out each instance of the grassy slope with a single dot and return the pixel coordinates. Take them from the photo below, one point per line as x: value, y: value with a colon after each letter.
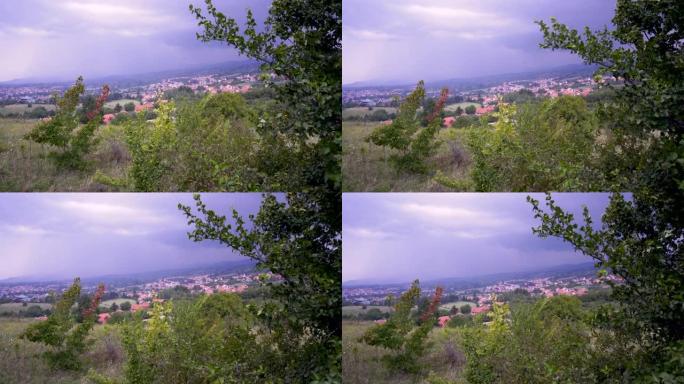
x: 25, y: 167
x: 16, y: 307
x: 108, y: 303
x: 363, y: 111
x: 356, y: 309
x: 463, y: 105
x: 122, y: 102
x: 21, y: 108
x: 20, y: 361
x: 361, y: 363
x: 366, y: 168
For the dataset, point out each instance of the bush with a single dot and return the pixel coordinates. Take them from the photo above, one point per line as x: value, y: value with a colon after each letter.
x: 537, y: 147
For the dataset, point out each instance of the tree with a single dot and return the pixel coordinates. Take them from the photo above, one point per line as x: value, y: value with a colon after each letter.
x: 413, y: 143
x: 465, y: 309
x: 62, y: 333
x: 538, y: 147
x: 453, y: 310
x: 640, y: 237
x: 114, y: 307
x: 63, y: 131
x: 129, y: 107
x: 125, y: 306
x: 298, y: 239
x: 400, y: 333
x: 118, y: 108
x: 470, y: 109
x: 459, y: 111
x: 301, y: 42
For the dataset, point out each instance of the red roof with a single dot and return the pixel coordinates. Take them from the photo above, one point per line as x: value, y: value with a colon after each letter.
x: 380, y: 321
x: 443, y: 320
x: 482, y: 309
x: 103, y: 317
x: 137, y: 307
x: 448, y: 121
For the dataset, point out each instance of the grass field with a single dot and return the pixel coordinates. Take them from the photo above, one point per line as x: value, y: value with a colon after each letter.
x: 112, y: 104
x: 363, y: 111
x: 21, y: 108
x: 463, y: 105
x: 361, y: 363
x: 21, y: 363
x: 16, y: 307
x: 357, y: 309
x: 458, y: 304
x: 366, y: 167
x: 108, y: 303
x: 24, y: 165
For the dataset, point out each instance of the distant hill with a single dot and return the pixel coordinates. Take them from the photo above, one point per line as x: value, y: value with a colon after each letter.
x: 471, y: 83
x: 569, y: 270
x: 139, y: 79
x: 140, y: 277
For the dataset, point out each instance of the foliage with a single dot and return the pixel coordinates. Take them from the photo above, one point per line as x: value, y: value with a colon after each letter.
x: 400, y: 334
x: 299, y: 241
x: 536, y: 147
x: 60, y: 331
x: 300, y: 41
x: 535, y: 343
x: 405, y: 134
x: 638, y: 241
x: 63, y: 130
x: 208, y: 340
x: 640, y: 236
x: 470, y: 110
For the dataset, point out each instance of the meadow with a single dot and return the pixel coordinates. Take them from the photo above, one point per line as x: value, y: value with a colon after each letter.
x: 361, y: 363
x: 463, y: 105
x: 25, y: 166
x: 354, y: 310
x: 366, y: 167
x: 21, y: 363
x: 23, y: 108
x: 360, y: 112
x: 16, y: 307
x: 457, y: 304
x: 122, y: 102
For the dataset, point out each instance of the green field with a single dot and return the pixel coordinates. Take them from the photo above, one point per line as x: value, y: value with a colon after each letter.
x: 463, y: 105
x: 21, y: 363
x: 108, y: 303
x: 21, y: 108
x: 363, y: 111
x: 458, y: 304
x: 112, y: 104
x: 16, y: 307
x: 366, y: 167
x: 24, y: 165
x: 354, y: 310
x: 361, y: 363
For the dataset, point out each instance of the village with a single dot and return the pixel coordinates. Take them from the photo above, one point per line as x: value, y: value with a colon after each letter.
x: 485, y: 295
x: 140, y: 296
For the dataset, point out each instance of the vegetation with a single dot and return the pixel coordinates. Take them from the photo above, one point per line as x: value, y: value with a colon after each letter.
x: 405, y: 135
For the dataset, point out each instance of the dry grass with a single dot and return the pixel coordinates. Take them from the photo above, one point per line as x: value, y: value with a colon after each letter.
x: 362, y: 363
x: 21, y: 363
x: 366, y: 167
x: 25, y: 167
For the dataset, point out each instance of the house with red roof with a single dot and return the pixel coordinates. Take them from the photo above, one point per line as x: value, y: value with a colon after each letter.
x: 443, y: 320
x: 482, y: 309
x: 144, y: 107
x: 103, y: 317
x: 448, y: 121
x: 108, y: 118
x: 380, y: 321
x: 139, y: 307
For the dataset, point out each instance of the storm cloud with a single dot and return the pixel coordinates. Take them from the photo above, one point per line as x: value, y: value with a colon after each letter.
x: 48, y: 39
x: 390, y: 237
x: 64, y: 235
x: 408, y: 40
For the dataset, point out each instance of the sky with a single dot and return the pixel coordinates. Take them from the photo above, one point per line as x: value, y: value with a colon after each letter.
x: 62, y: 235
x: 408, y: 40
x: 47, y: 39
x: 398, y: 237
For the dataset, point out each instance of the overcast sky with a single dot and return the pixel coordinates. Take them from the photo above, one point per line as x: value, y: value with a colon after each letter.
x: 398, y: 237
x: 62, y: 39
x: 409, y: 40
x: 92, y: 234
